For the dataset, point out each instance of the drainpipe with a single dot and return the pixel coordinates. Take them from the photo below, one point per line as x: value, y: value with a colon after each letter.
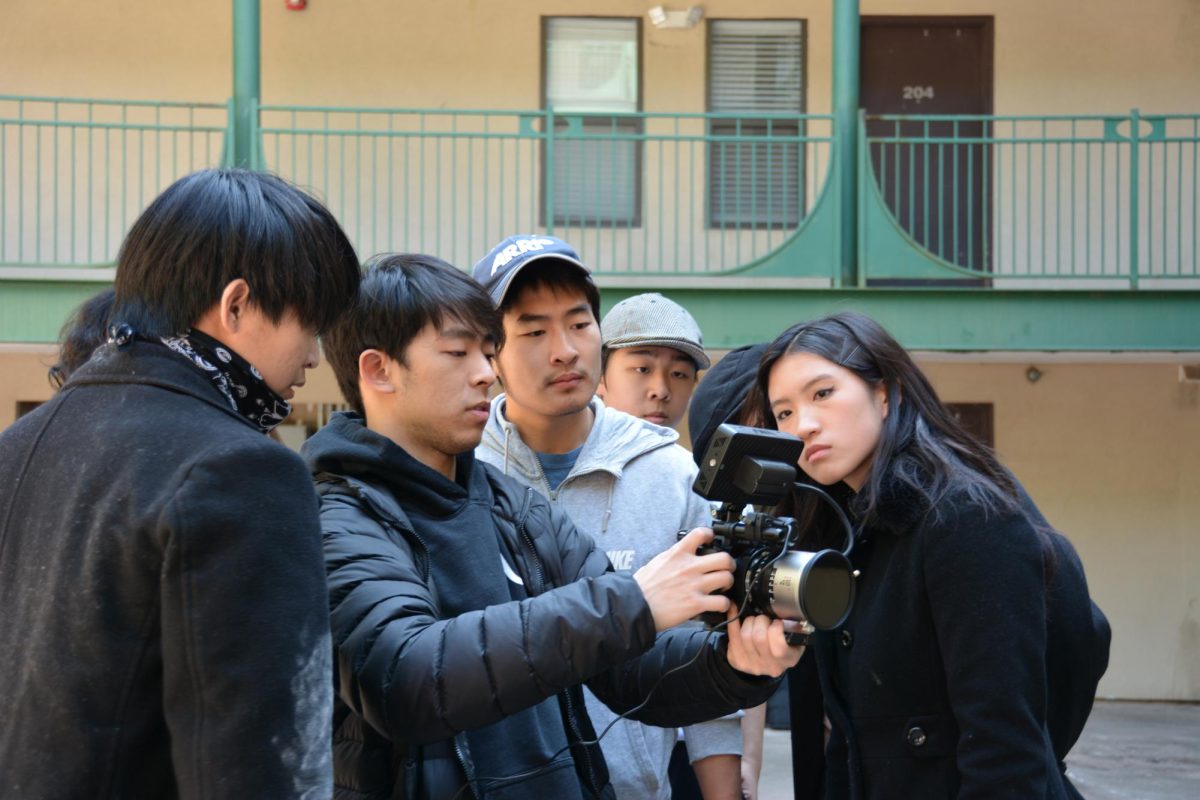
x: 846, y: 35
x: 246, y: 71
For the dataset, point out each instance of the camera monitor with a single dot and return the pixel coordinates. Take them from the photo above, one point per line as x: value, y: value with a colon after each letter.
x: 748, y: 465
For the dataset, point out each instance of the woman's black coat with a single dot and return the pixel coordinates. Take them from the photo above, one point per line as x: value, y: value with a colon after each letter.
x: 959, y: 673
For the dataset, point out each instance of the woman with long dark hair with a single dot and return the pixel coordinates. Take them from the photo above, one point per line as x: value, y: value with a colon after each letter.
x: 969, y: 662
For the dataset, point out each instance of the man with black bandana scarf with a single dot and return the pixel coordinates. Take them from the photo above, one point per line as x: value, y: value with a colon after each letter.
x: 166, y: 628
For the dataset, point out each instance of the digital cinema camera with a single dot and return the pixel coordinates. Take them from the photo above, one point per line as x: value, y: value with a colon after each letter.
x: 757, y: 467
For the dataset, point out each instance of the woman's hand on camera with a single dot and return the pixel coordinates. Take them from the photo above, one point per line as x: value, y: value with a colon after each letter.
x: 757, y: 645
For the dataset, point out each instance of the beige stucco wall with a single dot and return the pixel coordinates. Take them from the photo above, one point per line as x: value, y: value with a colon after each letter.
x: 120, y: 49
x: 23, y: 376
x: 1060, y: 58
x: 1076, y: 57
x: 1108, y: 451
x: 23, y: 380
x: 1050, y: 58
x: 1111, y: 454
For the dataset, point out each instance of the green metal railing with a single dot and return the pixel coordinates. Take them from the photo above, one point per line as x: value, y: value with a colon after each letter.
x: 1003, y: 201
x: 1105, y: 201
x: 644, y: 194
x: 74, y: 174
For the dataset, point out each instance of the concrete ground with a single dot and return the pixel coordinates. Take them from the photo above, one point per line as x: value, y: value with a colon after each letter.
x: 1138, y: 751
x: 1128, y: 751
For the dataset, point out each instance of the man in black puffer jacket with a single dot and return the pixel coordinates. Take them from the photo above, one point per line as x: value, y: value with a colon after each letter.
x: 467, y: 613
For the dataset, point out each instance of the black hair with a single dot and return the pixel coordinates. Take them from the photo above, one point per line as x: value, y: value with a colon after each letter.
x: 555, y: 275
x: 212, y: 227
x: 922, y: 447
x: 401, y: 293
x: 84, y: 331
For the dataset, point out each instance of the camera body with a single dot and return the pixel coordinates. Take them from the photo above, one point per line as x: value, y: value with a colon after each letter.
x: 753, y: 466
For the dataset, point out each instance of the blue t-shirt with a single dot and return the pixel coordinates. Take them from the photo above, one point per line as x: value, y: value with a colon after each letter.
x: 558, y: 465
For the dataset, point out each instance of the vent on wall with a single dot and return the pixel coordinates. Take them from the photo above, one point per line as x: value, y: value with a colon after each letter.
x: 1189, y: 373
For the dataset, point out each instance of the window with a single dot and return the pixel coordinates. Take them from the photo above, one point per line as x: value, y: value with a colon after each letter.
x: 591, y: 79
x: 976, y: 418
x: 756, y: 66
x: 25, y: 406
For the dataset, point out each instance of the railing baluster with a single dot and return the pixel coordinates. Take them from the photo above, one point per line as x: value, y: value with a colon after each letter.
x: 20, y: 179
x: 374, y: 209
x: 74, y: 227
x: 4, y: 192
x: 54, y: 131
x: 912, y: 184
x: 107, y: 188
x: 489, y: 240
x: 941, y: 178
x: 1135, y: 156
x: 954, y: 207
x: 470, y: 243
x: 1029, y: 208
x: 676, y: 201
x: 1119, y: 221
x: 548, y: 182
x: 925, y: 181
x: 90, y: 196
x: 1104, y: 226
x: 123, y: 209
x: 971, y: 203
x: 1162, y: 246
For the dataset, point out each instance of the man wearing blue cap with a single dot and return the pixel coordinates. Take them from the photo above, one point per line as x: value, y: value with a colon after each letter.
x: 622, y: 480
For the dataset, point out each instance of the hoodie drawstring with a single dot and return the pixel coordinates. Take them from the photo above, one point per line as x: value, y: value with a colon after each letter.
x: 507, y: 431
x: 612, y: 485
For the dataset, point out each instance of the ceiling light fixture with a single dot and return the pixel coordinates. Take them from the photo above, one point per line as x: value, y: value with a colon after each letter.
x: 662, y: 17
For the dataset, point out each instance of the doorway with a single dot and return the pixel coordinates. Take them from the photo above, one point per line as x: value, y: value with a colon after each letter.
x: 934, y: 175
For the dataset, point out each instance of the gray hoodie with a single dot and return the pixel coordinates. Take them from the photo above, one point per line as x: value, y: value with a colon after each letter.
x: 631, y: 491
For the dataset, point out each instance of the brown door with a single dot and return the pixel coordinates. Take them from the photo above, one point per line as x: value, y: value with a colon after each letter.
x: 937, y: 190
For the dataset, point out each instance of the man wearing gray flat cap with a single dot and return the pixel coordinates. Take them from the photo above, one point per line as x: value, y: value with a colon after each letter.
x: 652, y: 353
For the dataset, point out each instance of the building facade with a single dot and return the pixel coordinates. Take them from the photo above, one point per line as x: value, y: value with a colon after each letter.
x: 1010, y: 187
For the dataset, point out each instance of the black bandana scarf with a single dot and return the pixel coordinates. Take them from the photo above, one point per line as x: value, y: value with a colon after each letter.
x: 234, y: 377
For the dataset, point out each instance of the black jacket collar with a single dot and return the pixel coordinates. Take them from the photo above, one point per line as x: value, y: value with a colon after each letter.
x: 899, y: 508
x: 150, y: 364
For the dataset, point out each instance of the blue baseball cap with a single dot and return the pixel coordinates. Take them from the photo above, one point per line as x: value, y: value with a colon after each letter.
x: 496, y: 271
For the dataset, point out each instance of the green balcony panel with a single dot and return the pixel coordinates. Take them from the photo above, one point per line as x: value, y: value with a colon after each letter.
x: 954, y: 319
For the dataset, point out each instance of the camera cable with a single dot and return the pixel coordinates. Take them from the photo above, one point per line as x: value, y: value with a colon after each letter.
x: 590, y: 742
x: 841, y: 513
x: 793, y: 639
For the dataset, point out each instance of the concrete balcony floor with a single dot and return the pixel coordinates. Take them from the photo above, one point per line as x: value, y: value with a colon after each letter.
x: 1128, y: 751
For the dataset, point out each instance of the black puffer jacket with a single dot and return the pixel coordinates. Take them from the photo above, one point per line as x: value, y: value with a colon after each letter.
x: 408, y: 677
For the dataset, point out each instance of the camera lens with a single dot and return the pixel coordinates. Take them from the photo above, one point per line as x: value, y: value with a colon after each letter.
x: 817, y: 587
